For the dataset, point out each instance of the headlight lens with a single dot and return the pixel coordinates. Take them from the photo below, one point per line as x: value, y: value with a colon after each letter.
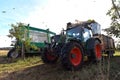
x: 52, y: 40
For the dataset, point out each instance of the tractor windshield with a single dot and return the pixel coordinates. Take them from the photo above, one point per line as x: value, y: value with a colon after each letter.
x: 87, y: 34
x: 80, y: 33
x: 75, y: 32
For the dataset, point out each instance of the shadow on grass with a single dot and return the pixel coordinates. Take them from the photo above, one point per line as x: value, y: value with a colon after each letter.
x: 4, y: 60
x: 56, y: 72
x: 39, y: 72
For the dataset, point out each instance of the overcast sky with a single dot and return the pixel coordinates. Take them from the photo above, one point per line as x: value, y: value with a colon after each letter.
x: 52, y: 14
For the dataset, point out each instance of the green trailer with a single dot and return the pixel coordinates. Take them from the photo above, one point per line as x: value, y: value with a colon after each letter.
x: 37, y: 37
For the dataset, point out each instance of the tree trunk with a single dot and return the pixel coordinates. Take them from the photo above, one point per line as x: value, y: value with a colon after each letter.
x: 23, y: 51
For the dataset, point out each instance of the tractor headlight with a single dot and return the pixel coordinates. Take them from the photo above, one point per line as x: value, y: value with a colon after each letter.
x: 52, y: 40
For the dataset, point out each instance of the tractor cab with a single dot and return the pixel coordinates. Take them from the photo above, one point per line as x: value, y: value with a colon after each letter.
x: 79, y: 32
x: 82, y: 31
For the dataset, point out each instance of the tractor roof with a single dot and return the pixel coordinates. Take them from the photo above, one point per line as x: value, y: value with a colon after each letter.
x: 80, y: 24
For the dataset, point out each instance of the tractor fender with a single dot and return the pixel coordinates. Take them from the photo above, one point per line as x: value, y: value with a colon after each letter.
x: 98, y: 39
x: 77, y: 41
x: 68, y: 44
x: 89, y: 43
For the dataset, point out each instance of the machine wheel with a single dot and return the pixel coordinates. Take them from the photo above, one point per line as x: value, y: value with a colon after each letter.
x: 72, y: 56
x: 110, y: 54
x: 13, y: 54
x: 96, y: 51
x: 47, y: 57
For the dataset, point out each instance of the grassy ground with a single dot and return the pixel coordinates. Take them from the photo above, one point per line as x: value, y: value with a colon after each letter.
x: 117, y: 53
x: 32, y: 68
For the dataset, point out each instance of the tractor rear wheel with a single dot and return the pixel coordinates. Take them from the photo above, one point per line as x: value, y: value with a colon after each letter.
x: 96, y: 51
x: 48, y: 57
x: 72, y: 56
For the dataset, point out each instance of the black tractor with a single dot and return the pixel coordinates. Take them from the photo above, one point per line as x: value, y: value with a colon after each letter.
x: 80, y: 40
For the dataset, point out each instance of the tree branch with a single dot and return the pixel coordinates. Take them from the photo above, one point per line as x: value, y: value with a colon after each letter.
x: 115, y: 8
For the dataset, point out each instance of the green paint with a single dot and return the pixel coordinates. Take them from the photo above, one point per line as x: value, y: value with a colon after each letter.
x: 38, y: 31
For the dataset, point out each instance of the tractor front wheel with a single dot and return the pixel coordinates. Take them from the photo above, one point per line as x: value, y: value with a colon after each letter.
x: 96, y: 53
x: 48, y: 57
x: 72, y: 56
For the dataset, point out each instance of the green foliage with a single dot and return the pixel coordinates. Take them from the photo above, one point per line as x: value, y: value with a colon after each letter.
x: 90, y: 20
x: 16, y: 31
x: 20, y: 32
x: 114, y: 29
x: 28, y: 45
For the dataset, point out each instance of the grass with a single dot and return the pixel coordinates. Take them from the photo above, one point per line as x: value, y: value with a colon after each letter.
x: 19, y: 64
x: 117, y: 53
x: 32, y: 68
x: 3, y: 52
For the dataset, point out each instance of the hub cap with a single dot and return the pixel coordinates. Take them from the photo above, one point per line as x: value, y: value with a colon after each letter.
x: 75, y: 56
x: 98, y: 51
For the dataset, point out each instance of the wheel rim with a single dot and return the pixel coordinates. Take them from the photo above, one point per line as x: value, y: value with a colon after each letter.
x: 14, y: 54
x: 75, y: 56
x: 98, y: 51
x: 50, y: 57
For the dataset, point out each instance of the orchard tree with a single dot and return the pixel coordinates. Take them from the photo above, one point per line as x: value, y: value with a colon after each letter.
x: 114, y: 13
x: 20, y: 33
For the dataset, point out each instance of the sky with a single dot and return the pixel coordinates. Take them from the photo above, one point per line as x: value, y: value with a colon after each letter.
x: 52, y: 14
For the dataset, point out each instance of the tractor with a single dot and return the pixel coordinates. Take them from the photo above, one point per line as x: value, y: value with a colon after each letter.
x: 80, y: 40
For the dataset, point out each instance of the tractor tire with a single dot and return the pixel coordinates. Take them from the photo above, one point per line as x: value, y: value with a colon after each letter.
x: 110, y: 54
x: 72, y: 56
x: 13, y: 54
x: 96, y: 52
x: 47, y: 57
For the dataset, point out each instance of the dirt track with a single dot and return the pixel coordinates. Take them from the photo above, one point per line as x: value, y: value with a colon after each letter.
x: 56, y: 72
x: 40, y: 72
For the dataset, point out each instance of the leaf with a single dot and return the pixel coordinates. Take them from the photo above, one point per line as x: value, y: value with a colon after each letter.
x: 114, y: 28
